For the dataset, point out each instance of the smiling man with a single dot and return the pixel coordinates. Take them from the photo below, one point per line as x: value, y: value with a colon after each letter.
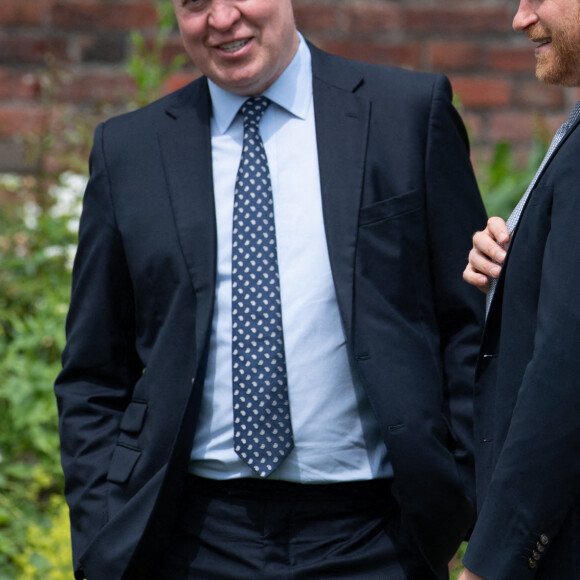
x: 270, y: 350
x: 528, y: 376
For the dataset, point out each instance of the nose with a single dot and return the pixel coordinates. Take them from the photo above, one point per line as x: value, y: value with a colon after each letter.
x: 223, y: 14
x: 526, y: 15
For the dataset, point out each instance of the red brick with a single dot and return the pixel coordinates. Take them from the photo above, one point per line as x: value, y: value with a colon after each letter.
x: 511, y: 126
x: 310, y: 17
x: 31, y: 49
x: 549, y: 123
x: 404, y: 55
x: 20, y: 119
x: 479, y: 19
x: 512, y: 59
x: 480, y: 92
x: 109, y: 87
x: 491, y: 66
x: 473, y: 124
x: 16, y: 84
x: 108, y: 48
x: 449, y: 56
x: 534, y: 94
x: 93, y: 15
x: 22, y: 12
x: 575, y: 93
x: 178, y: 80
x: 173, y: 48
x: 368, y: 19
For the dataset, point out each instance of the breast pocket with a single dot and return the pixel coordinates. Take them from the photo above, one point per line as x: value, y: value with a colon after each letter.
x: 392, y: 252
x: 391, y: 208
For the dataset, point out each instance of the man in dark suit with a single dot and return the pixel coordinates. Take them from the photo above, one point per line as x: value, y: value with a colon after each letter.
x: 351, y: 451
x: 527, y: 380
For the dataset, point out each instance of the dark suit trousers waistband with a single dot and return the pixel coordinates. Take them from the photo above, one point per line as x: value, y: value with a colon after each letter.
x: 272, y: 489
x: 254, y: 529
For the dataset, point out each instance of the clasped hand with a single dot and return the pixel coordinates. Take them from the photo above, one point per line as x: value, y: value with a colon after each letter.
x: 488, y: 254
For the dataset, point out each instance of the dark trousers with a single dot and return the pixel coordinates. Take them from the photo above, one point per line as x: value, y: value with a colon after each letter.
x: 269, y: 530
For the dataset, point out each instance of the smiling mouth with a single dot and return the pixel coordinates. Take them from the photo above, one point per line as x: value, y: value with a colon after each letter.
x: 539, y: 36
x: 542, y: 42
x: 233, y: 46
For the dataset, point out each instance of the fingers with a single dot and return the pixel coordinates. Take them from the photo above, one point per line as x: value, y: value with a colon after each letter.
x: 475, y: 278
x: 497, y: 228
x: 488, y: 254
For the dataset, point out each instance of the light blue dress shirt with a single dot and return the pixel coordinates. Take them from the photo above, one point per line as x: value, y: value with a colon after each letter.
x: 335, y: 433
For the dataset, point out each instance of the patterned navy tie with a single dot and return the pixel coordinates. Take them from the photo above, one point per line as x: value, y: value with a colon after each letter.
x: 514, y: 218
x: 262, y: 428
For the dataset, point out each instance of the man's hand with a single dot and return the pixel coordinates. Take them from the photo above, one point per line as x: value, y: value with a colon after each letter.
x: 467, y: 575
x: 487, y: 255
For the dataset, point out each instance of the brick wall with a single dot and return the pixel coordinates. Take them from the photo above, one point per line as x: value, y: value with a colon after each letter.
x: 68, y: 56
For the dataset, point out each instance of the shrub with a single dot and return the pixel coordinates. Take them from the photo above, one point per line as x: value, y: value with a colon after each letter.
x: 37, y: 243
x: 36, y: 250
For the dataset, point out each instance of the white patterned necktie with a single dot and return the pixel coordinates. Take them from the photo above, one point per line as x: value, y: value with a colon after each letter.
x: 262, y: 427
x: 514, y: 218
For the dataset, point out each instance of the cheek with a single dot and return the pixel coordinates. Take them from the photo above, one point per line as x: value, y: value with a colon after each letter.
x: 194, y: 48
x: 191, y: 32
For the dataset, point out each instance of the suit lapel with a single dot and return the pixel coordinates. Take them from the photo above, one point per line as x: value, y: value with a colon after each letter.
x: 185, y: 143
x: 342, y: 120
x: 538, y: 180
x: 497, y: 297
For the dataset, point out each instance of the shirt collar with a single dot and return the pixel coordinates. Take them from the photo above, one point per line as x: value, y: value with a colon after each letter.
x: 292, y: 91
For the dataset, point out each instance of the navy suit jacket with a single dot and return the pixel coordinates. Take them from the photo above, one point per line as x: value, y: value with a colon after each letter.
x: 528, y: 391
x: 400, y: 204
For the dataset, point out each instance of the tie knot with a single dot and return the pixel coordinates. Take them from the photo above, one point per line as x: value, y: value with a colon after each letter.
x: 253, y: 110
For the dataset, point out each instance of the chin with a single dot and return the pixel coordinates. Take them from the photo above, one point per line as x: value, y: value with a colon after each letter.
x: 560, y: 78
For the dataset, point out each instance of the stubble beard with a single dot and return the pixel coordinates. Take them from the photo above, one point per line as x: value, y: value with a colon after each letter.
x: 561, y: 65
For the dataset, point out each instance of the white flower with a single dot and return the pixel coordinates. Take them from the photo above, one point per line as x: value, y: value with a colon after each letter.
x: 68, y: 196
x: 30, y: 213
x: 10, y: 181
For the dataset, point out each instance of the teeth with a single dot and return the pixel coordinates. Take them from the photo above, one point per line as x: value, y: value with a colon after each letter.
x: 232, y: 46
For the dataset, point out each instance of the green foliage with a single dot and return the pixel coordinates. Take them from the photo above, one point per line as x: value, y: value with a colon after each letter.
x: 47, y: 554
x: 37, y: 244
x: 502, y: 181
x: 36, y: 247
x: 455, y: 568
x: 147, y: 66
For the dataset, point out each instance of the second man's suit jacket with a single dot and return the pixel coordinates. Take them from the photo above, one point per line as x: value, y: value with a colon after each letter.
x: 400, y: 204
x: 527, y: 402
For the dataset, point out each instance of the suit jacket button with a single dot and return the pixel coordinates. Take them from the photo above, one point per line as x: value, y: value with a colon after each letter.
x: 540, y: 547
x: 531, y: 563
x: 536, y: 556
x: 544, y: 539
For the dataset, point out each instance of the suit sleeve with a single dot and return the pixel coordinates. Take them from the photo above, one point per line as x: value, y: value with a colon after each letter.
x: 536, y: 478
x: 100, y: 366
x: 455, y: 211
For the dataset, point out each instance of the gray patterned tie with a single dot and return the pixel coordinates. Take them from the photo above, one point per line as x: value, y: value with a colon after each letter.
x: 514, y: 218
x: 262, y: 428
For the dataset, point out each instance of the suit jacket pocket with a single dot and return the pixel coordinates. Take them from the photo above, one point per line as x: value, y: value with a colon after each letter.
x: 122, y: 463
x: 391, y: 207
